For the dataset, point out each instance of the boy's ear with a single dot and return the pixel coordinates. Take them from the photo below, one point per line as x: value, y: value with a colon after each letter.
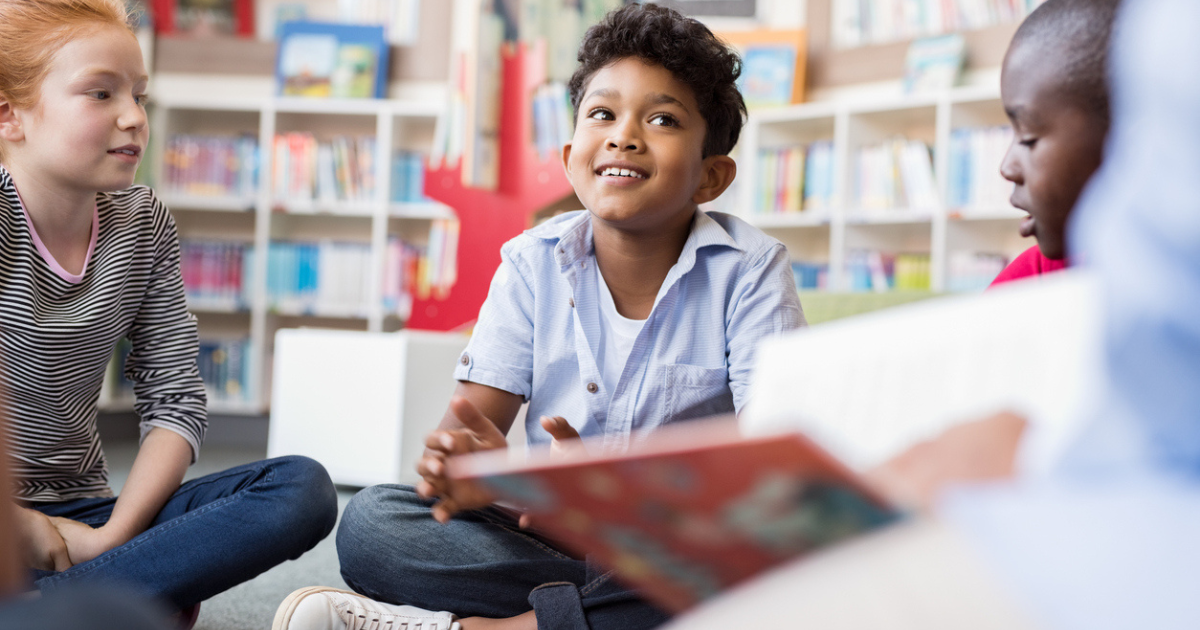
x: 10, y: 124
x: 719, y: 171
x: 566, y: 156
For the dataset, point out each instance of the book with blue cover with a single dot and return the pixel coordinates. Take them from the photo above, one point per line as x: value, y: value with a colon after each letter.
x: 325, y: 60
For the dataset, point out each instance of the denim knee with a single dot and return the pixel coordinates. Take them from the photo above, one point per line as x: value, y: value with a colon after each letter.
x: 373, y: 522
x: 308, y: 495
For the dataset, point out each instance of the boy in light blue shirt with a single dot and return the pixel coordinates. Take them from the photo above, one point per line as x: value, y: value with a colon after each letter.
x: 641, y: 310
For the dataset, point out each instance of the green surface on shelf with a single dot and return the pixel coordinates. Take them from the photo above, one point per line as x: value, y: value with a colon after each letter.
x: 822, y: 306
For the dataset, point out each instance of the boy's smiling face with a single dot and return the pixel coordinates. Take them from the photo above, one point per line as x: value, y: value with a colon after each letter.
x: 636, y: 157
x: 1057, y: 144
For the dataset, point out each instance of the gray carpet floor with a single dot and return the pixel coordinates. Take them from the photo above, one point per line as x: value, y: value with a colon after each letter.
x: 250, y: 606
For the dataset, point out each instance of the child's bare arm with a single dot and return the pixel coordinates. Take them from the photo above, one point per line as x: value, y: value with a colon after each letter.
x: 157, y: 473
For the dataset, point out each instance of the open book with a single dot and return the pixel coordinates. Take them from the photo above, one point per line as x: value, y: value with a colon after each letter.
x: 693, y: 510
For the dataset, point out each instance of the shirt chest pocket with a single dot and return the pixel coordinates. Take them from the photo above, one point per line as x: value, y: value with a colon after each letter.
x: 692, y: 391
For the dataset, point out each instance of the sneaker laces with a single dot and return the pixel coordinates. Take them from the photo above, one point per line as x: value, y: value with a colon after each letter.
x: 367, y: 617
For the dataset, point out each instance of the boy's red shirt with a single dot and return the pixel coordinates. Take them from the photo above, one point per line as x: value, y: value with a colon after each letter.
x: 1029, y: 263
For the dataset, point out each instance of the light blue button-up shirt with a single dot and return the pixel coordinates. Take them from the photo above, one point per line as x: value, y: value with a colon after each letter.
x: 538, y: 333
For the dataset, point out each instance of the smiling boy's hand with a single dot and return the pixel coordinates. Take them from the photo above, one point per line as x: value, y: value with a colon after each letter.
x: 565, y: 444
x: 478, y: 433
x: 566, y: 438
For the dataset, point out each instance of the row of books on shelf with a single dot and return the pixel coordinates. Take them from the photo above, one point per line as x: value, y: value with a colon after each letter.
x: 974, y: 178
x: 895, y: 174
x: 322, y: 277
x: 408, y: 177
x: 225, y: 368
x: 810, y: 276
x: 304, y: 169
x: 413, y: 272
x: 796, y: 179
x: 552, y: 125
x: 883, y: 271
x: 210, y: 165
x: 214, y: 274
x: 864, y: 22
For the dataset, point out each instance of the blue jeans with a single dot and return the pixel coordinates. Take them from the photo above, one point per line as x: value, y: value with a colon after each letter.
x: 214, y: 533
x: 481, y: 564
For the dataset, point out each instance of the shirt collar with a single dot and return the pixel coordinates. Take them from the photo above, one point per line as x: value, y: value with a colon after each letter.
x: 573, y: 232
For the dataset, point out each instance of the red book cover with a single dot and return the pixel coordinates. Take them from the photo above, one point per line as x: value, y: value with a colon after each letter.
x: 690, y: 511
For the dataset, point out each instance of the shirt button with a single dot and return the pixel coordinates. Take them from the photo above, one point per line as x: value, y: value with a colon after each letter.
x: 593, y: 388
x: 571, y: 301
x: 465, y: 360
x: 582, y: 265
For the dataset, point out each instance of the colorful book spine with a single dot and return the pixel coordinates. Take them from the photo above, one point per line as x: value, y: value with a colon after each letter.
x: 210, y: 165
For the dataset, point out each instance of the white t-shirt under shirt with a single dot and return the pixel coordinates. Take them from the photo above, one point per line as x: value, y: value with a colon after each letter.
x: 617, y: 334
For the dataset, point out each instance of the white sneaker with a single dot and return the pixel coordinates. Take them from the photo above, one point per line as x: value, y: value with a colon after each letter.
x: 324, y: 608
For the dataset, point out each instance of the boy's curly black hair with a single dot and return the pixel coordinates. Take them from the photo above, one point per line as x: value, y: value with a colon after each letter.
x: 686, y: 48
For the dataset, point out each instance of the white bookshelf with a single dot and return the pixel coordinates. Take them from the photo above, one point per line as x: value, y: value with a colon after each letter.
x: 260, y: 219
x: 827, y: 236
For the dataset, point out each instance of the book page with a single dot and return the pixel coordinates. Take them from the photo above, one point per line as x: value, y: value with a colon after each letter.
x: 868, y: 387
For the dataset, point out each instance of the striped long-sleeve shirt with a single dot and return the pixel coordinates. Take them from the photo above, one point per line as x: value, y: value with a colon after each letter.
x: 58, y: 332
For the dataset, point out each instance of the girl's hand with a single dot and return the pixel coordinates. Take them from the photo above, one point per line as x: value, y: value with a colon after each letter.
x: 478, y: 434
x: 83, y: 541
x: 44, y: 547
